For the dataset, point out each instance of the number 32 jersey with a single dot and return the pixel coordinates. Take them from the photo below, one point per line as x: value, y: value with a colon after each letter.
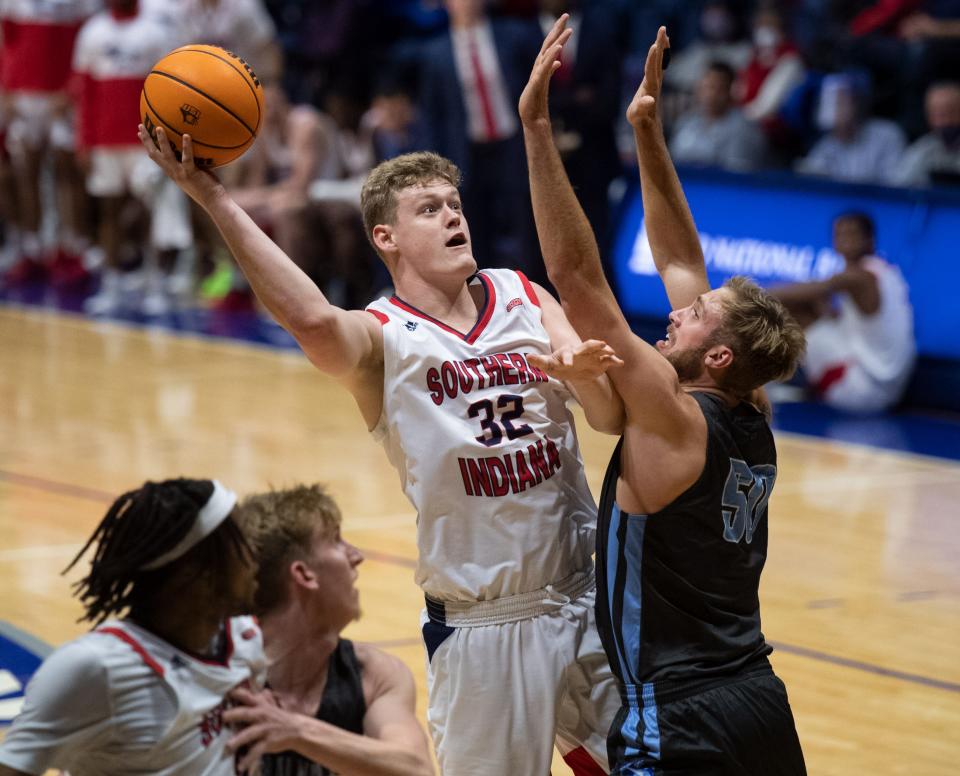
x: 485, y: 446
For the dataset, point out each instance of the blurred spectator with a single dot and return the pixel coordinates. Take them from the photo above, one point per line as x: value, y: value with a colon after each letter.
x: 115, y: 51
x: 775, y: 68
x: 393, y: 121
x: 720, y: 41
x: 716, y: 133
x: 471, y: 81
x: 300, y: 183
x: 856, y: 148
x: 585, y: 102
x: 241, y: 26
x: 861, y: 352
x: 328, y: 42
x: 245, y: 28
x: 271, y: 182
x: 908, y: 45
x: 935, y: 157
x: 38, y: 40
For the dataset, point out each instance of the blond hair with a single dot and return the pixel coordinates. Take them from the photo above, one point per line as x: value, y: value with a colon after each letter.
x: 281, y: 525
x: 766, y: 341
x: 378, y: 198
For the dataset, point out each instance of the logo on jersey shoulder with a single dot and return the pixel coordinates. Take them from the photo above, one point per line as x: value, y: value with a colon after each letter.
x: 190, y: 114
x: 514, y: 303
x: 411, y: 325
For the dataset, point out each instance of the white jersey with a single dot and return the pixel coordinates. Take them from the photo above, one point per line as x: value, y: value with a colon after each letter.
x: 113, y: 56
x: 880, y: 346
x: 485, y: 447
x: 120, y: 700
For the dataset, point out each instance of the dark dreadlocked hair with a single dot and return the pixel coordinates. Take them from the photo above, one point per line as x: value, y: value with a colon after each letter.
x: 142, y: 525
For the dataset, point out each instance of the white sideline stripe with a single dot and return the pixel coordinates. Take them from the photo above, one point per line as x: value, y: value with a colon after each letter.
x: 39, y: 553
x: 9, y: 683
x: 9, y: 709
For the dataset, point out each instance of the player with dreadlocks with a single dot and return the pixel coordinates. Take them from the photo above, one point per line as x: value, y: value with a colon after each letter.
x: 143, y: 692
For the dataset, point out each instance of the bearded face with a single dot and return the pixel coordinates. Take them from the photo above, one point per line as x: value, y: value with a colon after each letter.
x: 688, y: 363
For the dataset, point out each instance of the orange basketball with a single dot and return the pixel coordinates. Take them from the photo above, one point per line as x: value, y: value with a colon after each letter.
x: 209, y: 94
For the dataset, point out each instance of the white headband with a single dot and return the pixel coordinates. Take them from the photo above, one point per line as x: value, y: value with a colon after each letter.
x: 214, y: 512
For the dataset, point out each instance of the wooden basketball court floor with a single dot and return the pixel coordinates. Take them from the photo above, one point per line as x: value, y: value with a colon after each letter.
x: 861, y: 594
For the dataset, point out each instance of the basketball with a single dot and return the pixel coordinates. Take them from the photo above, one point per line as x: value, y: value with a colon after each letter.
x: 209, y: 94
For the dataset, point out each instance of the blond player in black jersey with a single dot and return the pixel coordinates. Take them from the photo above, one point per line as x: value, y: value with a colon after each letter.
x: 682, y: 529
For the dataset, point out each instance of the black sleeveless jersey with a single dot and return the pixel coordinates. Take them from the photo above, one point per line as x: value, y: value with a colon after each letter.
x: 342, y: 705
x: 677, y: 590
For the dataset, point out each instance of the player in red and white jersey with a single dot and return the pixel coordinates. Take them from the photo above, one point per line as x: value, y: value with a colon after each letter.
x: 474, y: 428
x: 115, y: 51
x: 146, y: 694
x: 39, y: 37
x: 444, y: 374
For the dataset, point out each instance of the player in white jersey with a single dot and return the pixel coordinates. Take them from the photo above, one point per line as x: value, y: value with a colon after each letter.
x: 859, y: 324
x: 145, y: 694
x: 39, y: 37
x: 115, y: 51
x: 485, y: 449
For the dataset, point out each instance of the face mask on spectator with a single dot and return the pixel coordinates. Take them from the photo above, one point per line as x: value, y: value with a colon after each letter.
x: 765, y: 37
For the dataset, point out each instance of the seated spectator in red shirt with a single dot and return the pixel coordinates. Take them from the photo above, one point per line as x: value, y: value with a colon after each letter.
x: 774, y: 69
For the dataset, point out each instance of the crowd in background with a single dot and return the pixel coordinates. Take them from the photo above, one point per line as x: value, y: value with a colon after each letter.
x: 863, y: 91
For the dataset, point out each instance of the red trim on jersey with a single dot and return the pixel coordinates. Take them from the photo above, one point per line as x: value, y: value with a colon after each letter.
x: 228, y: 653
x: 135, y: 646
x: 829, y: 378
x: 582, y: 764
x: 486, y: 313
x: 384, y: 320
x: 528, y: 287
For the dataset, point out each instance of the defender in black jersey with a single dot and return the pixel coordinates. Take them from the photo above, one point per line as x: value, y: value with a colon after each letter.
x: 682, y: 529
x: 331, y: 705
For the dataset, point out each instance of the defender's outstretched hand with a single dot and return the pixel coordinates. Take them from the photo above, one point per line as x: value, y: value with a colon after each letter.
x: 586, y: 361
x: 643, y: 107
x: 533, y: 101
x: 201, y: 185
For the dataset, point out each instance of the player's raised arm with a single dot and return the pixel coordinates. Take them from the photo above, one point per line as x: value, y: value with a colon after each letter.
x: 339, y: 342
x: 672, y: 234
x: 647, y: 382
x: 566, y: 239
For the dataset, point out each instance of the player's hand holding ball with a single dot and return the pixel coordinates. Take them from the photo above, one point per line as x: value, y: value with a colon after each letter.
x: 201, y: 107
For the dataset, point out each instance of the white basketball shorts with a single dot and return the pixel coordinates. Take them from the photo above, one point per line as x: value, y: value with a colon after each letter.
x: 503, y: 693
